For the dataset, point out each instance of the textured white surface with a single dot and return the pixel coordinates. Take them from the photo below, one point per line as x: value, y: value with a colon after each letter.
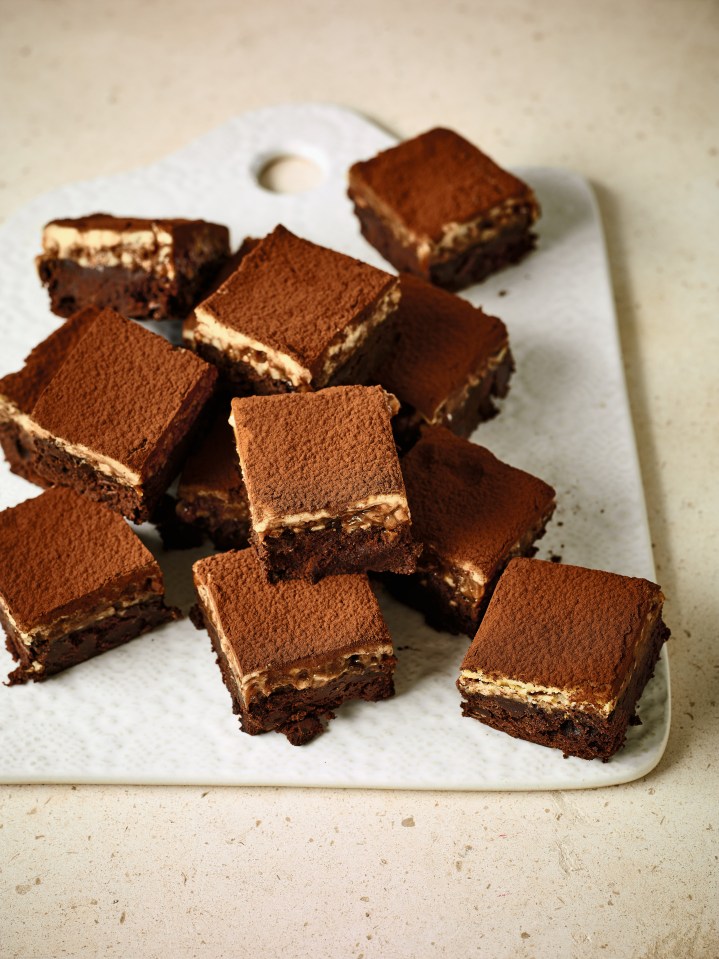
x: 156, y: 710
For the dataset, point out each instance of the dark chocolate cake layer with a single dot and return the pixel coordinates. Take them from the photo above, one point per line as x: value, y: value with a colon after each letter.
x: 290, y: 654
x: 44, y: 659
x: 311, y: 554
x: 459, y: 270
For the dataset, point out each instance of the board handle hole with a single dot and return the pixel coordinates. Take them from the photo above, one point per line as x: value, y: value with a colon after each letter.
x: 289, y: 173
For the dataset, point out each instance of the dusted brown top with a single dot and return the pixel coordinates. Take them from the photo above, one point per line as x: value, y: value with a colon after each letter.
x: 24, y: 387
x: 62, y: 553
x: 306, y: 452
x: 291, y: 622
x: 563, y: 627
x: 213, y: 464
x: 296, y: 297
x: 466, y: 505
x: 444, y: 340
x: 120, y: 389
x: 436, y: 179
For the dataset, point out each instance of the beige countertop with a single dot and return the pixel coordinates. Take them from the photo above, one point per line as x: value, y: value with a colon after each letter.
x: 628, y: 95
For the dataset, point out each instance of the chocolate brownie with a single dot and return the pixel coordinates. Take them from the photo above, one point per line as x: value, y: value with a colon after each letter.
x: 291, y: 654
x: 451, y: 361
x: 149, y: 269
x: 211, y: 495
x: 21, y: 390
x: 438, y: 207
x: 324, y: 482
x: 563, y: 655
x: 75, y: 581
x: 295, y: 317
x: 471, y: 513
x: 117, y: 417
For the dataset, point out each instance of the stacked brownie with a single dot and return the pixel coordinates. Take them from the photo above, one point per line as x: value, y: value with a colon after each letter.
x: 438, y: 207
x: 151, y: 269
x: 211, y: 493
x: 451, y: 362
x: 291, y: 653
x: 295, y: 317
x: 304, y: 371
x: 100, y: 586
x: 20, y: 391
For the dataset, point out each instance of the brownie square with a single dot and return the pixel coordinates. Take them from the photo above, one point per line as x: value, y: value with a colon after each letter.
x: 563, y: 655
x: 211, y: 495
x: 295, y: 317
x: 149, y: 269
x: 438, y: 207
x: 290, y: 654
x: 20, y: 391
x: 117, y: 417
x: 75, y: 581
x: 451, y: 360
x: 471, y: 513
x: 324, y: 483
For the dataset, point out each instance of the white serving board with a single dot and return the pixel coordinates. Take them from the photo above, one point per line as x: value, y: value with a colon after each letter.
x: 156, y: 711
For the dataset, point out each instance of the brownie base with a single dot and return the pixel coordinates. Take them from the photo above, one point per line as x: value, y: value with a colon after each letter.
x: 315, y: 554
x: 20, y: 453
x: 575, y: 732
x: 472, y: 265
x: 478, y: 407
x: 207, y: 515
x: 80, y: 645
x: 300, y: 714
x: 135, y: 293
